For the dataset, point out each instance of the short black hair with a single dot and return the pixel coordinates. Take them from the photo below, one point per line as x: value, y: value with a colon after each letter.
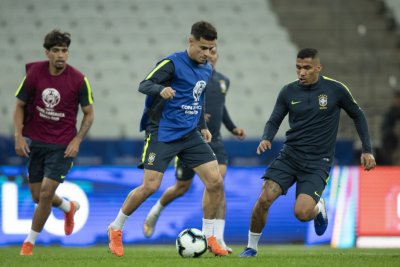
x: 56, y: 38
x: 308, y: 53
x: 205, y: 30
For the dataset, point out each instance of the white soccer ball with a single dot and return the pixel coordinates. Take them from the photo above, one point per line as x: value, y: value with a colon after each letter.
x: 191, y: 243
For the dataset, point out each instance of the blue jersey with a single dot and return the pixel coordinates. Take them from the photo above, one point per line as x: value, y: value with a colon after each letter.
x: 174, y: 118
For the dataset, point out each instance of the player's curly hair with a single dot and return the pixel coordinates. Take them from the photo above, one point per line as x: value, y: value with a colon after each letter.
x: 205, y: 30
x: 56, y: 38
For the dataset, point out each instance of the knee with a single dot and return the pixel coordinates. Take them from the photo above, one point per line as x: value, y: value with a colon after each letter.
x: 217, y: 184
x: 45, y: 194
x: 303, y: 215
x: 149, y: 189
x: 265, y: 201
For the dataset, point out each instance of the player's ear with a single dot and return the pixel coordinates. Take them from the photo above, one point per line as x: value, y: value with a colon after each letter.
x: 191, y: 40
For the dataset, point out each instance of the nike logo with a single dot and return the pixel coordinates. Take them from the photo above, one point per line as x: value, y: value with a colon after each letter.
x: 295, y: 102
x: 62, y: 176
x: 315, y: 192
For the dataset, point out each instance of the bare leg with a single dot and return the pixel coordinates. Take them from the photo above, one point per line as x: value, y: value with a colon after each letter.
x: 222, y: 209
x: 35, y: 192
x: 43, y: 209
x: 305, y: 208
x: 214, y: 188
x: 270, y: 192
x: 151, y: 183
x: 175, y: 191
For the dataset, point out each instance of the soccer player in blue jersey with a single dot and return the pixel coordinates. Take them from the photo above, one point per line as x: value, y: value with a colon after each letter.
x: 313, y: 103
x: 173, y: 111
x: 216, y: 114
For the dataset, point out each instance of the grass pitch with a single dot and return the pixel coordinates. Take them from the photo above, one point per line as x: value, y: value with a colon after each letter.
x: 166, y: 256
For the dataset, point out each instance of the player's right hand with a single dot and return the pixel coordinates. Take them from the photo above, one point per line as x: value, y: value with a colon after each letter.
x: 21, y: 147
x: 368, y: 161
x: 264, y: 145
x: 167, y: 93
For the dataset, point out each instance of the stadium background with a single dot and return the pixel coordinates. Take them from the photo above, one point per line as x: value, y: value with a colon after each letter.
x: 116, y: 43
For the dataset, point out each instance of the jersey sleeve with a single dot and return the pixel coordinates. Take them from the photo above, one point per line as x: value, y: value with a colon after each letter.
x: 21, y: 92
x: 348, y: 103
x: 85, y: 94
x: 278, y: 114
x: 227, y: 121
x: 159, y: 78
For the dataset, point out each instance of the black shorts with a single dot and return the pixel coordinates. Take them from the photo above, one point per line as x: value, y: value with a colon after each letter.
x: 48, y: 161
x: 191, y: 149
x: 311, y: 178
x: 184, y: 173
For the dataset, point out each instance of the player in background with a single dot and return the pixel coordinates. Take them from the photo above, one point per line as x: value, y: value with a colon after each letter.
x: 216, y: 113
x: 313, y: 103
x: 173, y: 109
x: 46, y: 114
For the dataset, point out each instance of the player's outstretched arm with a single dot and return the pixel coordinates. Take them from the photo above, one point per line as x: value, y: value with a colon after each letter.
x: 264, y: 145
x: 368, y: 161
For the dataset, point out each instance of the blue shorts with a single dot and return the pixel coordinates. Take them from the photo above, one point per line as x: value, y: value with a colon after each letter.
x: 191, y: 149
x: 184, y: 173
x: 311, y: 178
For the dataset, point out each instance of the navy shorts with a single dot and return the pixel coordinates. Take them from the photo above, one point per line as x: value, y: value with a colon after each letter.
x: 48, y: 161
x: 191, y: 149
x: 311, y: 179
x: 184, y: 173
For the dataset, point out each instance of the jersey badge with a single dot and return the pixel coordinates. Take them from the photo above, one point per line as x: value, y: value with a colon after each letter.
x: 151, y: 158
x: 222, y: 85
x: 51, y: 97
x: 323, y: 101
x: 198, y: 90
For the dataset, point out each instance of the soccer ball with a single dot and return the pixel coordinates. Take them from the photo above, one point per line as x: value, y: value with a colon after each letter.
x: 191, y: 243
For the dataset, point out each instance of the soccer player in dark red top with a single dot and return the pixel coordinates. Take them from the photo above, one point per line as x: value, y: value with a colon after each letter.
x: 45, y: 129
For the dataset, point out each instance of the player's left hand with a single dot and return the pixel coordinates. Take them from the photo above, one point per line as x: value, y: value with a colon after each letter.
x: 368, y: 161
x: 240, y: 133
x: 73, y: 148
x: 206, y: 135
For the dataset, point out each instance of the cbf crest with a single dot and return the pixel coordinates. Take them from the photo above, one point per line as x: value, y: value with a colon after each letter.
x: 198, y: 90
x: 323, y: 101
x: 222, y: 85
x: 151, y: 158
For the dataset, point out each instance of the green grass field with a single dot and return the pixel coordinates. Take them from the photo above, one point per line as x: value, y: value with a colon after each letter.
x: 165, y: 256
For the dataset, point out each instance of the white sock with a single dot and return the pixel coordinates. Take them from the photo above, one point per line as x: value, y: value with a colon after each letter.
x: 157, y: 208
x: 253, y: 240
x: 219, y: 227
x: 319, y: 207
x: 208, y: 227
x: 65, y: 205
x: 31, y: 237
x: 119, y: 221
